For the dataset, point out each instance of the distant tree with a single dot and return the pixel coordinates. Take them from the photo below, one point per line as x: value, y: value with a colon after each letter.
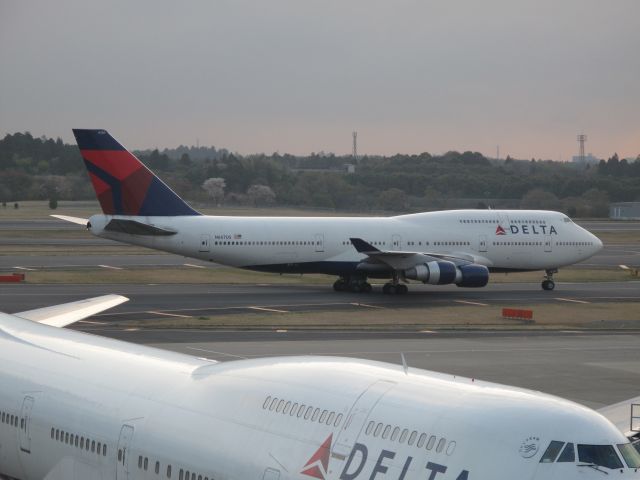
x: 185, y: 160
x: 481, y: 205
x: 597, y: 201
x: 393, y: 199
x: 261, y: 195
x: 53, y: 203
x: 538, y: 199
x: 215, y: 188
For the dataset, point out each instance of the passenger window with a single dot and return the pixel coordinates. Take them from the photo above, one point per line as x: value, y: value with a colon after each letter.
x: 387, y: 429
x: 286, y: 408
x: 301, y: 411
x: 104, y: 450
x: 369, y: 428
x: 568, y: 454
x: 552, y: 452
x: 316, y: 412
x: 99, y: 448
x: 294, y: 409
x: 266, y: 403
x: 157, y: 467
x: 330, y: 419
x: 307, y: 414
x: 378, y: 430
x: 394, y: 435
x: 168, y: 471
x: 53, y: 432
x: 139, y: 461
x: 338, y: 420
x: 412, y: 438
x: 403, y: 435
x: 323, y: 416
x: 93, y: 446
x: 421, y: 440
x: 146, y: 463
x: 440, y: 446
x: 431, y: 442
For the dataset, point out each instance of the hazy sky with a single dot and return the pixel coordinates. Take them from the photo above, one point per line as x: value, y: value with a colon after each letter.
x: 298, y: 76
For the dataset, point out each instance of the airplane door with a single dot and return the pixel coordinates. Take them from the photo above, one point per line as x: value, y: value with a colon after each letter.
x: 547, y: 243
x: 24, y: 431
x: 357, y: 417
x: 396, y: 242
x: 271, y: 474
x: 124, y: 452
x: 482, y: 243
x: 204, y: 243
x: 319, y: 239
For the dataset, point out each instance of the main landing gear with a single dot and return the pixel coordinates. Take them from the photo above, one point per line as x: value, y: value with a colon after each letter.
x: 395, y: 287
x: 352, y: 284
x: 548, y: 283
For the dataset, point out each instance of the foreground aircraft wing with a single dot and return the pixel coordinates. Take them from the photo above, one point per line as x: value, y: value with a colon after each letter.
x: 403, y: 260
x: 68, y: 313
x: 625, y: 415
x: 78, y: 220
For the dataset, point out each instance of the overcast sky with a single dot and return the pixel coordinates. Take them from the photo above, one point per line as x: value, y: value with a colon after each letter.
x: 298, y: 76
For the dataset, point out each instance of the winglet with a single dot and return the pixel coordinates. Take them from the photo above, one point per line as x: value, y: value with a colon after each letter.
x: 363, y: 247
x: 68, y: 313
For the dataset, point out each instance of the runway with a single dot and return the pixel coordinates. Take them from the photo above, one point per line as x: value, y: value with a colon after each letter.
x: 161, y: 301
x: 593, y: 369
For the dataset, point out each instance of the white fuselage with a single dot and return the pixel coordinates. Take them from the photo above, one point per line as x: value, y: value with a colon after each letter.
x: 83, y: 407
x: 501, y: 240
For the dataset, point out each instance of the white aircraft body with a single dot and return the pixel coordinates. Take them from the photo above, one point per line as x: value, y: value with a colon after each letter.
x: 448, y: 247
x: 74, y: 406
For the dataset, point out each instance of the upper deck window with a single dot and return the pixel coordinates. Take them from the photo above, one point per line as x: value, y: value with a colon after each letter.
x: 602, y: 455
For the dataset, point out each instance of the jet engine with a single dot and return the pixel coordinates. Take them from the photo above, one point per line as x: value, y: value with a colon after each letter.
x: 444, y: 272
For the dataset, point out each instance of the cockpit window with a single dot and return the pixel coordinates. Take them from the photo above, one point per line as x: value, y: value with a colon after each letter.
x: 602, y: 455
x: 552, y: 452
x: 566, y: 220
x: 630, y: 454
x: 568, y: 454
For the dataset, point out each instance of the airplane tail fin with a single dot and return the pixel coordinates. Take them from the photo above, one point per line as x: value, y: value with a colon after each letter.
x: 123, y: 184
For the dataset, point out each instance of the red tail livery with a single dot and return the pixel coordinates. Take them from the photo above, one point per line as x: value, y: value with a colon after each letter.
x: 123, y: 185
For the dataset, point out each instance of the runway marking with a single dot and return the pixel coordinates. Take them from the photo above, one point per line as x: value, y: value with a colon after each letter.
x: 131, y: 329
x: 573, y: 300
x: 281, y: 330
x: 110, y: 267
x: 217, y: 353
x: 428, y: 331
x: 366, y: 305
x: 25, y: 268
x: 467, y: 302
x: 168, y: 314
x: 92, y: 323
x: 268, y: 309
x: 192, y: 265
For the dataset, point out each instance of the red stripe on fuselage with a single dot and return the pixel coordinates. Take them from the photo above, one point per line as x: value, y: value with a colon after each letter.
x: 117, y: 163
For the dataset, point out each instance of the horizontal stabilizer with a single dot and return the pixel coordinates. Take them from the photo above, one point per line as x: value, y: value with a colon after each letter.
x: 625, y: 415
x: 363, y: 247
x: 78, y: 220
x: 68, y: 313
x: 136, y: 228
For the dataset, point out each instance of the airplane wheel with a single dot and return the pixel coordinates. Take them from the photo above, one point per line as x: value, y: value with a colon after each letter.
x: 402, y: 289
x: 548, y: 285
x: 355, y: 288
x: 388, y: 289
x: 339, y: 285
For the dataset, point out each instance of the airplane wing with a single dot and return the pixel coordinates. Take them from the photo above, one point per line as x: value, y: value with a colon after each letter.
x: 398, y: 260
x: 68, y: 313
x: 625, y: 415
x: 78, y: 220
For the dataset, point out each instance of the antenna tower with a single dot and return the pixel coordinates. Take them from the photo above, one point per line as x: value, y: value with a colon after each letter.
x: 354, y: 152
x: 581, y: 139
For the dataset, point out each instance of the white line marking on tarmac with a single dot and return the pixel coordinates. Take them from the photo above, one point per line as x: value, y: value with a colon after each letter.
x: 268, y: 309
x: 281, y: 330
x: 92, y: 323
x: 110, y: 267
x: 25, y: 268
x: 467, y: 302
x: 169, y: 314
x: 572, y: 300
x: 366, y: 305
x: 131, y: 329
x: 192, y: 265
x: 217, y: 353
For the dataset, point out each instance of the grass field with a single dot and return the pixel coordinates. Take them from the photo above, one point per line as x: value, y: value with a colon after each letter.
x: 546, y: 316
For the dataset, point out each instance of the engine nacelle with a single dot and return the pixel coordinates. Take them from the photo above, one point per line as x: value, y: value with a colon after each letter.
x: 444, y: 272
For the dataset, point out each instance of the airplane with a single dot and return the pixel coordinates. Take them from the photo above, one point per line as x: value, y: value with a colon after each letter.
x: 456, y: 247
x: 75, y: 406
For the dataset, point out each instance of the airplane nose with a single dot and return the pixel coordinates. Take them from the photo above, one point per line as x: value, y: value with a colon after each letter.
x: 598, y: 244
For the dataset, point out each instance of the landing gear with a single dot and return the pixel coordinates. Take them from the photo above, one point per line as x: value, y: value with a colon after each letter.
x: 548, y: 283
x: 352, y: 284
x: 395, y: 287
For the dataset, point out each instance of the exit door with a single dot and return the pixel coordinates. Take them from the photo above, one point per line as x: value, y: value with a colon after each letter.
x: 357, y: 417
x: 124, y: 452
x: 482, y: 243
x: 271, y: 474
x: 547, y: 243
x: 25, y: 425
x: 204, y: 243
x: 319, y: 239
x: 396, y: 242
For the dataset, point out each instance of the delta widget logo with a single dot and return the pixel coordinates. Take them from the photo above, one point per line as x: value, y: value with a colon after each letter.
x: 318, y: 464
x: 500, y: 230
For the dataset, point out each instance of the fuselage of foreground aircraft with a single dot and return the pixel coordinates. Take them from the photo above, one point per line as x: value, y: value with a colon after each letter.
x: 75, y: 406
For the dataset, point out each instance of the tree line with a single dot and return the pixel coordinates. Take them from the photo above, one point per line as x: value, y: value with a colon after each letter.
x: 44, y: 168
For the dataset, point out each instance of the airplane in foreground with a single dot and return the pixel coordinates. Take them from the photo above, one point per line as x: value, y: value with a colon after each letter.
x: 75, y: 406
x: 456, y: 247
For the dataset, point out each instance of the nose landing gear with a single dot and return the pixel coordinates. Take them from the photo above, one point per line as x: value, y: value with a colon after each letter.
x: 548, y: 283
